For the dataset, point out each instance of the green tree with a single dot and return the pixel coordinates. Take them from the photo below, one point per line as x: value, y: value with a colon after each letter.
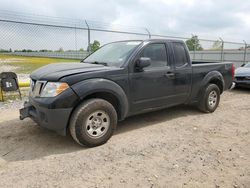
x: 60, y: 49
x: 194, y: 43
x: 45, y: 50
x: 81, y: 50
x: 217, y: 45
x: 95, y: 45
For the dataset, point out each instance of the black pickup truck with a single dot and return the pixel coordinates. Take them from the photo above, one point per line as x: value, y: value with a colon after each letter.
x: 122, y: 79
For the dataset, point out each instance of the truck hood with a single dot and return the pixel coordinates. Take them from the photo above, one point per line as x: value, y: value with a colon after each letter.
x: 54, y: 72
x: 242, y: 71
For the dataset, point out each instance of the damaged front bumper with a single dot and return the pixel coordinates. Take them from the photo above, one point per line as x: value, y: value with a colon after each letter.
x: 51, y: 113
x: 25, y: 111
x: 52, y: 119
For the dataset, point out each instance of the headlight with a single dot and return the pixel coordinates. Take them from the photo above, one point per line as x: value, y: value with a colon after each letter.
x: 53, y: 89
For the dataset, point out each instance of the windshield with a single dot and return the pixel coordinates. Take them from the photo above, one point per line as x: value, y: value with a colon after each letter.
x: 247, y: 65
x: 113, y: 54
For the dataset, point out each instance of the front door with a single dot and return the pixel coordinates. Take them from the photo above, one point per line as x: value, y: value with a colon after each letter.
x: 154, y: 86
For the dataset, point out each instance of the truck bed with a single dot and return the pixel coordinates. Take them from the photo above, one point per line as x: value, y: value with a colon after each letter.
x: 201, y: 69
x: 206, y: 62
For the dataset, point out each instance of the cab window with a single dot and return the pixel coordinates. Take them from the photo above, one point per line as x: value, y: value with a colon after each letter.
x: 179, y: 54
x: 157, y: 53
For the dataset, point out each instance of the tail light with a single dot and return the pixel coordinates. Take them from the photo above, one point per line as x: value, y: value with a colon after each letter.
x: 233, y: 71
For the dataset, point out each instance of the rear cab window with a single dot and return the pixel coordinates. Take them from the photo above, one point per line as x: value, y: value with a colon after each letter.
x: 180, y: 54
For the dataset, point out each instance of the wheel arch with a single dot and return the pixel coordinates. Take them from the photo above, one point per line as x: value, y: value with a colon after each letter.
x: 104, y: 89
x: 217, y: 82
x: 213, y: 77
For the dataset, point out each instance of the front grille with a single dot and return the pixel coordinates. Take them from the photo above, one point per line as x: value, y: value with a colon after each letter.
x: 242, y: 78
x: 37, y: 88
x: 32, y: 84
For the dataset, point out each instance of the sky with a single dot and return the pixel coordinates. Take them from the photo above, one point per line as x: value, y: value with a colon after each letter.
x: 209, y: 19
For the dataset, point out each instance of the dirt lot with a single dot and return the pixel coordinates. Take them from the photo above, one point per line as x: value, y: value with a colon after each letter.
x: 177, y: 147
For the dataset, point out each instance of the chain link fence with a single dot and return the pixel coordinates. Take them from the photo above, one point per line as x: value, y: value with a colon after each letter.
x: 44, y: 36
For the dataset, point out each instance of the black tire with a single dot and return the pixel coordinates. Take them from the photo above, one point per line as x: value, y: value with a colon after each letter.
x: 82, y: 130
x: 207, y: 105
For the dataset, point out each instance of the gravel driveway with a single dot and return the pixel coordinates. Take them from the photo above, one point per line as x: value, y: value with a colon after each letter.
x: 177, y: 147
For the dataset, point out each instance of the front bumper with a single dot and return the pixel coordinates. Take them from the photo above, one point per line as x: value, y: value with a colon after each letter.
x: 232, y: 86
x: 51, y: 113
x: 52, y: 119
x: 242, y: 83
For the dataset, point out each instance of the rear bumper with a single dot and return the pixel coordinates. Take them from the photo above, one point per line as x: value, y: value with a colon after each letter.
x: 52, y: 119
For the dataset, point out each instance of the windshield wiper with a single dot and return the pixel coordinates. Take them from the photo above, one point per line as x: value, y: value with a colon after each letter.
x: 95, y: 62
x: 98, y: 63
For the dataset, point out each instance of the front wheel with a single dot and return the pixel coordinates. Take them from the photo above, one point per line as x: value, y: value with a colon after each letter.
x: 93, y: 122
x: 210, y: 98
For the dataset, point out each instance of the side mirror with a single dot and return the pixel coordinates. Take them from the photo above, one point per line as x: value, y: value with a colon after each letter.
x: 243, y: 65
x: 142, y: 63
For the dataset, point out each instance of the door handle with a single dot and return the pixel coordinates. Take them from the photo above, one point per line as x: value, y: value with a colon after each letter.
x: 170, y: 74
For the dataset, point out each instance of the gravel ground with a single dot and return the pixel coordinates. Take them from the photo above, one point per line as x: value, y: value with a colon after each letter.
x: 11, y: 68
x: 176, y: 147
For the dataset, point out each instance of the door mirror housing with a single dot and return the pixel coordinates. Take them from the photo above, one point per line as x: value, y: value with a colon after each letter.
x: 142, y: 63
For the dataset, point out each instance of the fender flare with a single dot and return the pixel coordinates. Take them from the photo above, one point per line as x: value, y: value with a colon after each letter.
x: 95, y: 85
x: 213, y: 75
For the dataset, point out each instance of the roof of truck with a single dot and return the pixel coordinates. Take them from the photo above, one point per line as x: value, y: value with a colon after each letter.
x: 169, y: 40
x: 152, y: 40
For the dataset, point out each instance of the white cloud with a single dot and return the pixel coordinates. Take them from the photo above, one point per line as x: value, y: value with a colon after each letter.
x: 228, y: 19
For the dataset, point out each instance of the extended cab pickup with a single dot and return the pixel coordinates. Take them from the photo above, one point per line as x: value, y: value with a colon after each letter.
x: 122, y: 79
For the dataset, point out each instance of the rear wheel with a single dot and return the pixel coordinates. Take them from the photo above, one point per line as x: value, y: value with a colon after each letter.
x: 93, y: 122
x: 210, y: 98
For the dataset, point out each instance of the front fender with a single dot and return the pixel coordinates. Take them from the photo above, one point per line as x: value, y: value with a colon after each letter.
x: 91, y: 86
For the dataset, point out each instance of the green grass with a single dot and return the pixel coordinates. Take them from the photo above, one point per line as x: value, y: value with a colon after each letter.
x: 27, y: 64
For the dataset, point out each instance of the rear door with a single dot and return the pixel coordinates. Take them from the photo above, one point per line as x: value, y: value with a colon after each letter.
x: 182, y: 70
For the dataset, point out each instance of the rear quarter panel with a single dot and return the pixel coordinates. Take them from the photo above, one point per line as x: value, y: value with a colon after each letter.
x: 200, y: 78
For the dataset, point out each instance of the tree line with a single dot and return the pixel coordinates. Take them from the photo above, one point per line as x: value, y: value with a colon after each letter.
x: 193, y: 44
x: 92, y: 48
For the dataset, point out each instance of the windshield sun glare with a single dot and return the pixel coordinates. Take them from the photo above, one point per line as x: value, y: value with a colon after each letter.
x: 113, y: 54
